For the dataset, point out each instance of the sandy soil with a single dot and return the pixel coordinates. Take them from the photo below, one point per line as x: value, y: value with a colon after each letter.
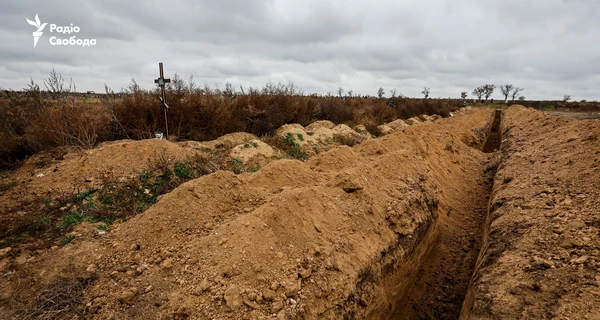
x: 318, y: 239
x: 541, y: 259
x: 480, y: 216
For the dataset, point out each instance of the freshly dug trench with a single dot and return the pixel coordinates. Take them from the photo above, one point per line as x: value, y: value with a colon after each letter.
x: 541, y: 252
x: 492, y: 143
x: 314, y: 240
x: 448, y: 253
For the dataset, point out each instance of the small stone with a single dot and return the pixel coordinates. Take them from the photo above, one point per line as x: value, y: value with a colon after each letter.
x: 540, y: 264
x: 167, y: 264
x: 252, y: 296
x: 148, y: 289
x: 251, y: 304
x: 275, y: 285
x: 126, y: 297
x: 276, y: 306
x: 91, y: 268
x: 134, y: 247
x: 269, y: 295
x: 305, y: 273
x: 580, y: 260
x: 204, y: 285
x: 291, y: 289
x: 232, y: 297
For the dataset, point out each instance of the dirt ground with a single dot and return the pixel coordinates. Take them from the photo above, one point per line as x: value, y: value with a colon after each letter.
x: 541, y: 259
x: 316, y: 239
x: 418, y: 224
x: 575, y: 115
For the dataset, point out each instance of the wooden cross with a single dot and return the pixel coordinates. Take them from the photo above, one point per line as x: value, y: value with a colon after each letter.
x: 163, y: 100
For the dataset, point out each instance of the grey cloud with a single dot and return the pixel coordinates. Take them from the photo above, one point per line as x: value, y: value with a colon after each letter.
x: 549, y: 47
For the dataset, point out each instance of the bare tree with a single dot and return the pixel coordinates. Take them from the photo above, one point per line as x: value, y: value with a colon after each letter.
x: 464, y: 95
x: 478, y: 92
x: 393, y: 92
x: 132, y: 87
x: 515, y: 93
x: 191, y: 85
x: 340, y: 92
x: 349, y: 94
x: 522, y: 98
x: 425, y: 92
x: 488, y: 90
x: 506, y: 90
x: 56, y: 84
x: 380, y: 92
x: 566, y: 98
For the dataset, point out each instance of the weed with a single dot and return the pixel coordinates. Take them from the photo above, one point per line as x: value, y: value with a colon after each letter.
x: 182, y: 171
x: 293, y: 148
x: 255, y: 145
x: 237, y: 162
x: 310, y: 133
x: 237, y: 165
x: 254, y: 169
x: 66, y: 240
x: 107, y: 200
x: 85, y: 195
x: 300, y: 137
x: 70, y: 220
x: 246, y: 145
x: 145, y: 176
x: 44, y: 221
x: 88, y: 205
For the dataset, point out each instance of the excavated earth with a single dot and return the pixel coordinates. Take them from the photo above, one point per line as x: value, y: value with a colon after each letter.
x: 541, y: 258
x: 481, y: 215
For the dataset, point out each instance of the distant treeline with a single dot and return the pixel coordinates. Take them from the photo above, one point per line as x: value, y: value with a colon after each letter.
x: 35, y: 120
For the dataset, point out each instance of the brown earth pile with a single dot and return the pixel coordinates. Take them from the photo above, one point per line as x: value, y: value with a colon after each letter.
x: 541, y: 259
x: 318, y: 239
x: 78, y: 171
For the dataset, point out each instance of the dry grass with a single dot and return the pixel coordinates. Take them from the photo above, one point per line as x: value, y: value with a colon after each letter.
x: 63, y: 299
x: 37, y: 121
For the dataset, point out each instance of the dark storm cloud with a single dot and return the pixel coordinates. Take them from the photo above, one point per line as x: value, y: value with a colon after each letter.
x: 549, y: 47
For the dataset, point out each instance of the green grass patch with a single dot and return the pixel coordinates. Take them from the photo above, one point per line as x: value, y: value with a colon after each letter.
x: 70, y: 220
x: 66, y: 240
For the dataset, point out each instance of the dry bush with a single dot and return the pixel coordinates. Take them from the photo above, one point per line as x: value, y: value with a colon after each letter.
x: 35, y: 121
x: 62, y: 299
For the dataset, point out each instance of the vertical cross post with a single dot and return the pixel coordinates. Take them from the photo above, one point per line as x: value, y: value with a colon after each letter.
x: 163, y: 99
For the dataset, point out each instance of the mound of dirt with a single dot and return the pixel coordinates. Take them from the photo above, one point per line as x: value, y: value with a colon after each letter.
x: 252, y: 150
x: 337, y: 237
x: 398, y: 125
x: 385, y: 129
x: 227, y: 141
x: 80, y: 171
x: 541, y: 259
x: 320, y: 124
x: 321, y: 135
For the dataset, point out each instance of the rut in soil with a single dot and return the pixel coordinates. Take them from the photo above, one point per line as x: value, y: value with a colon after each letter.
x: 442, y: 282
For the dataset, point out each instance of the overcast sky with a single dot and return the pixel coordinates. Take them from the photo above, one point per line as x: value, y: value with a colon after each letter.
x: 549, y: 47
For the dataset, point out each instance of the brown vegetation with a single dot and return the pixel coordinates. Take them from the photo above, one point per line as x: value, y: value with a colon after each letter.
x: 37, y: 121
